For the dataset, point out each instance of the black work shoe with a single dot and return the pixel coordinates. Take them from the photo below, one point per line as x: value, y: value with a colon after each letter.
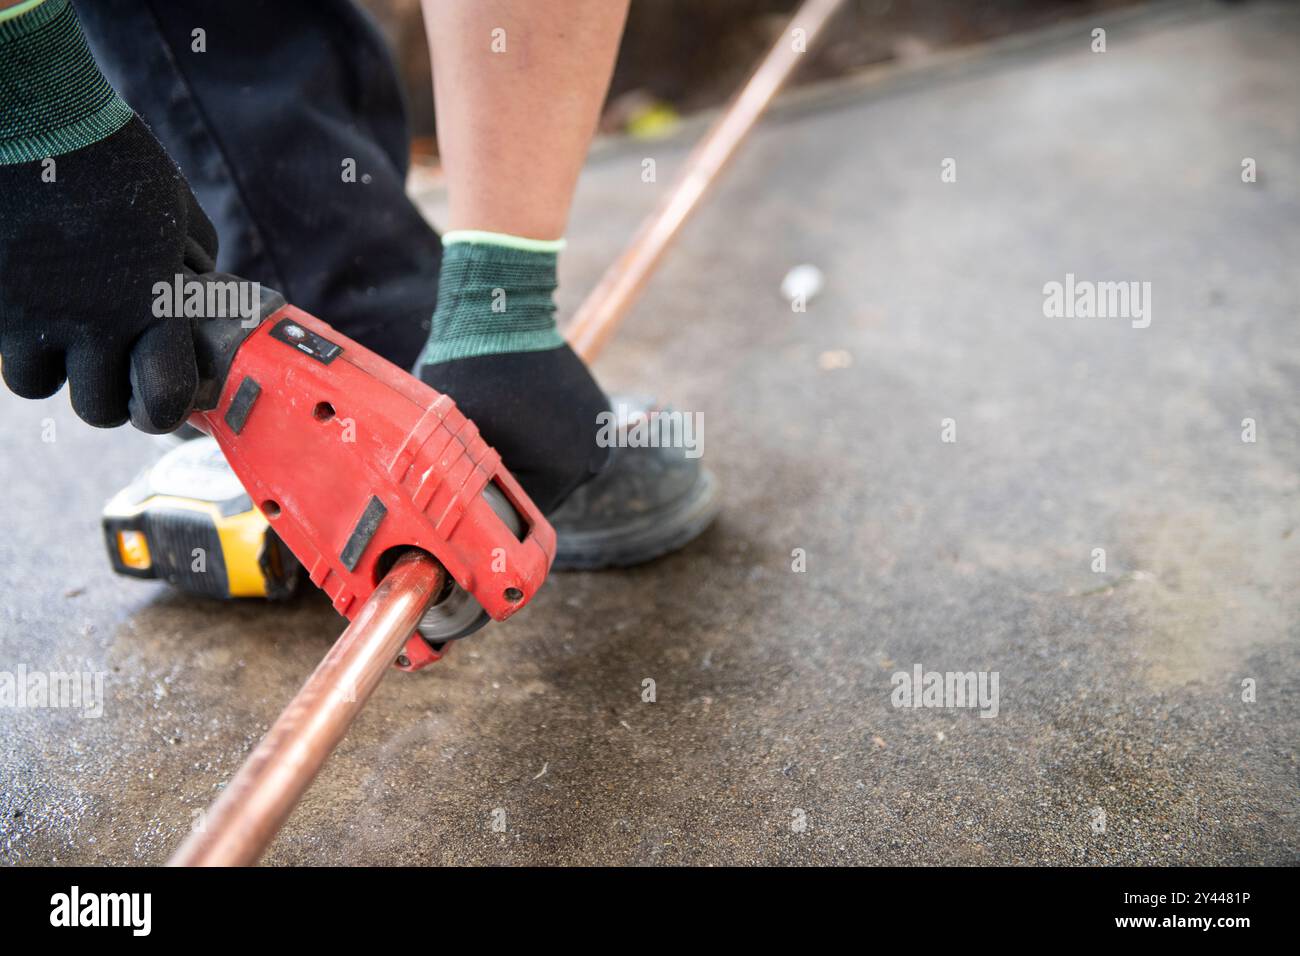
x: 647, y: 502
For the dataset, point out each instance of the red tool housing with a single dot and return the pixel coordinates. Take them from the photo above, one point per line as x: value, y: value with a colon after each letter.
x: 353, y: 461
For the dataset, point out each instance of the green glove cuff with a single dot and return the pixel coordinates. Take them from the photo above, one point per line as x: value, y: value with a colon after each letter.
x: 53, y: 97
x: 493, y: 298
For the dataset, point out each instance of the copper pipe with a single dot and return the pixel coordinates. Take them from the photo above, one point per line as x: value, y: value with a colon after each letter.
x: 244, y: 820
x: 624, y: 281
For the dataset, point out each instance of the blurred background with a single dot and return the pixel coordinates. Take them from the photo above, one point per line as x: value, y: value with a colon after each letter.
x: 680, y: 56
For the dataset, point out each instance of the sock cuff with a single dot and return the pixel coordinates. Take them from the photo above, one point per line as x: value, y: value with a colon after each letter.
x: 53, y: 97
x: 19, y: 9
x: 503, y: 239
x: 493, y: 299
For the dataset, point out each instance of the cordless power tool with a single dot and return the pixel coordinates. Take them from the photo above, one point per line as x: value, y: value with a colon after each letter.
x: 344, y: 462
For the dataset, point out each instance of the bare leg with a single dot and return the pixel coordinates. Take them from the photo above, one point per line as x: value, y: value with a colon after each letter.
x: 518, y: 86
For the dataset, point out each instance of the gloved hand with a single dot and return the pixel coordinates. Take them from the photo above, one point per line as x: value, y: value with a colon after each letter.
x: 85, y: 238
x: 495, y: 349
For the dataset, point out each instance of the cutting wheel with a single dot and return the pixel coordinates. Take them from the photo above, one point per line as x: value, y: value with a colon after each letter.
x: 458, y: 614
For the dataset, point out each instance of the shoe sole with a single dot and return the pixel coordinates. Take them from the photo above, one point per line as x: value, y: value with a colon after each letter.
x: 651, y: 536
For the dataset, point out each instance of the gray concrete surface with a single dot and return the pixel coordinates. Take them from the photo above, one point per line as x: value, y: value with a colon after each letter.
x: 1120, y: 691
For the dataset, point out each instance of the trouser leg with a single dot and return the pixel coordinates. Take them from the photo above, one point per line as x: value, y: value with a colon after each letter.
x: 267, y: 111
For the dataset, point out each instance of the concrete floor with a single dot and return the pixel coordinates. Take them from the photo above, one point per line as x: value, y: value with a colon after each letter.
x: 1120, y: 691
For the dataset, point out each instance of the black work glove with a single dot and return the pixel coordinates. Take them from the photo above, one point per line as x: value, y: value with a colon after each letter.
x: 79, y: 259
x: 93, y: 215
x: 538, y: 409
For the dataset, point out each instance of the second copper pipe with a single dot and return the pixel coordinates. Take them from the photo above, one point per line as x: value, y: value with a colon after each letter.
x: 622, y: 284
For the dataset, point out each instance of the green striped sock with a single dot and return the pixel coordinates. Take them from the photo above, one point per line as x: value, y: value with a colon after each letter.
x: 496, y: 294
x: 53, y: 98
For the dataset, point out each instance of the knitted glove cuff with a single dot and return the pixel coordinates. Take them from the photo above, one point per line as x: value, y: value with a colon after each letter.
x: 53, y: 97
